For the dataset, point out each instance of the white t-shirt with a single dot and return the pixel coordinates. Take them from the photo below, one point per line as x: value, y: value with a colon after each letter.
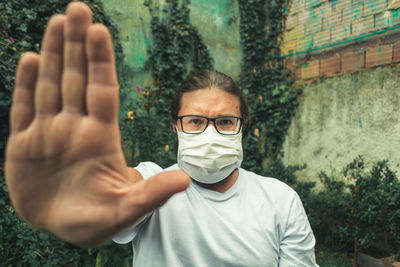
x: 259, y: 221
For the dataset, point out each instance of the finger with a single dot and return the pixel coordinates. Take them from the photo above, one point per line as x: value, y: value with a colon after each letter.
x: 148, y: 195
x: 23, y: 107
x: 74, y: 76
x: 102, y: 94
x: 48, y: 95
x: 162, y: 186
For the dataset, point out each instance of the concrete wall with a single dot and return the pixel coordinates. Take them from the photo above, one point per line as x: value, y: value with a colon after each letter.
x: 342, y: 117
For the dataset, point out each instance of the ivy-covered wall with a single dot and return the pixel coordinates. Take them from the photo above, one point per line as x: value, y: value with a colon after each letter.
x: 216, y: 20
x: 164, y: 41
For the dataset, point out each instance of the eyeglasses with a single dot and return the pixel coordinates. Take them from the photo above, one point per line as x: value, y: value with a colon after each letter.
x: 196, y: 124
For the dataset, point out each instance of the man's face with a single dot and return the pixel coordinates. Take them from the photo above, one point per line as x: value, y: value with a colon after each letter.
x: 209, y: 102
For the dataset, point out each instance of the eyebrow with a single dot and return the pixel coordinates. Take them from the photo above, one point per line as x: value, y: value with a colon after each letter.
x: 219, y: 115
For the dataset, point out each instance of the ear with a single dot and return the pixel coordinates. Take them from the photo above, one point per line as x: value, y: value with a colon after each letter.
x: 174, y: 130
x: 173, y: 125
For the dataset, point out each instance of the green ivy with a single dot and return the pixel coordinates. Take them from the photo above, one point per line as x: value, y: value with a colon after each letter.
x: 22, y: 25
x: 177, y: 50
x: 264, y: 81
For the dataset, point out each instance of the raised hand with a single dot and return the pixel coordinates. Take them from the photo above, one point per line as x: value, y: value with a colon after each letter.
x: 65, y: 169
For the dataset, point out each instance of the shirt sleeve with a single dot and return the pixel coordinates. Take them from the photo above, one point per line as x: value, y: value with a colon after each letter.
x: 146, y: 169
x: 297, y: 245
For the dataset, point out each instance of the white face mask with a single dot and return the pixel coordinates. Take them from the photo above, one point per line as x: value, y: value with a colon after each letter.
x: 209, y: 157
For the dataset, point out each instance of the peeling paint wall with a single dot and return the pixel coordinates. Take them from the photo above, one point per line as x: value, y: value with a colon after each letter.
x: 218, y: 24
x: 133, y: 20
x: 216, y: 21
x: 313, y: 24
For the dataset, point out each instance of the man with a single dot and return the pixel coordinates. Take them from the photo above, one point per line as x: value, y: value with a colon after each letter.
x: 67, y: 175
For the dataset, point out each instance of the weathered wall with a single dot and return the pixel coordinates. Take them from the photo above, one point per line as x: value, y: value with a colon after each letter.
x: 333, y: 37
x: 133, y: 20
x: 312, y: 24
x: 338, y: 118
x: 342, y: 117
x: 346, y: 53
x: 217, y: 22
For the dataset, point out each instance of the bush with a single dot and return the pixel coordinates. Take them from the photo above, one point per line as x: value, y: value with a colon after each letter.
x: 358, y: 209
x: 329, y: 213
x: 375, y: 207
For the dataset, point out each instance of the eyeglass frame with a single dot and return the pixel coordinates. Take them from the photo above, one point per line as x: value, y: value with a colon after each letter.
x: 213, y: 121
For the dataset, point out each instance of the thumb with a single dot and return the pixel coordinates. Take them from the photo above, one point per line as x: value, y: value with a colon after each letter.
x: 147, y: 195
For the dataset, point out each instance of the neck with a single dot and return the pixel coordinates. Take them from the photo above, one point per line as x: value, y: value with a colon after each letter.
x: 221, y: 186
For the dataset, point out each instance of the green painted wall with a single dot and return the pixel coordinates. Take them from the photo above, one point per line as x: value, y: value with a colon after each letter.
x: 315, y: 24
x: 218, y: 24
x: 133, y: 20
x: 216, y: 20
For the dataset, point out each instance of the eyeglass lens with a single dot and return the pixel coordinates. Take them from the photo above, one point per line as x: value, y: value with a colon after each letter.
x: 194, y: 124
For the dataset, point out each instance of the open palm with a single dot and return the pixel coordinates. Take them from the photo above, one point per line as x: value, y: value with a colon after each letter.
x: 64, y: 164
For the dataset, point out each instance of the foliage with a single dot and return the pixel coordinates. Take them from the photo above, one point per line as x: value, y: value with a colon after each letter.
x: 271, y: 99
x: 327, y: 257
x: 375, y: 207
x: 328, y: 212
x: 177, y: 51
x: 22, y: 25
x: 358, y: 209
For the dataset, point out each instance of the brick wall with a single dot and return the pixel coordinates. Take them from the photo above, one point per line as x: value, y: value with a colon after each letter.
x: 332, y: 37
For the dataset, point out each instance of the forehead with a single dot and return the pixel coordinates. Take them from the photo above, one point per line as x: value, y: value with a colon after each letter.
x: 210, y: 102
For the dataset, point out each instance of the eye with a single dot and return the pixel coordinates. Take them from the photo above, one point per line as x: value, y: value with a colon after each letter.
x: 225, y: 122
x: 196, y: 121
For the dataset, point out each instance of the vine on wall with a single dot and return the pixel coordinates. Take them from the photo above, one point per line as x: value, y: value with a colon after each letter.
x: 177, y: 51
x: 264, y: 81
